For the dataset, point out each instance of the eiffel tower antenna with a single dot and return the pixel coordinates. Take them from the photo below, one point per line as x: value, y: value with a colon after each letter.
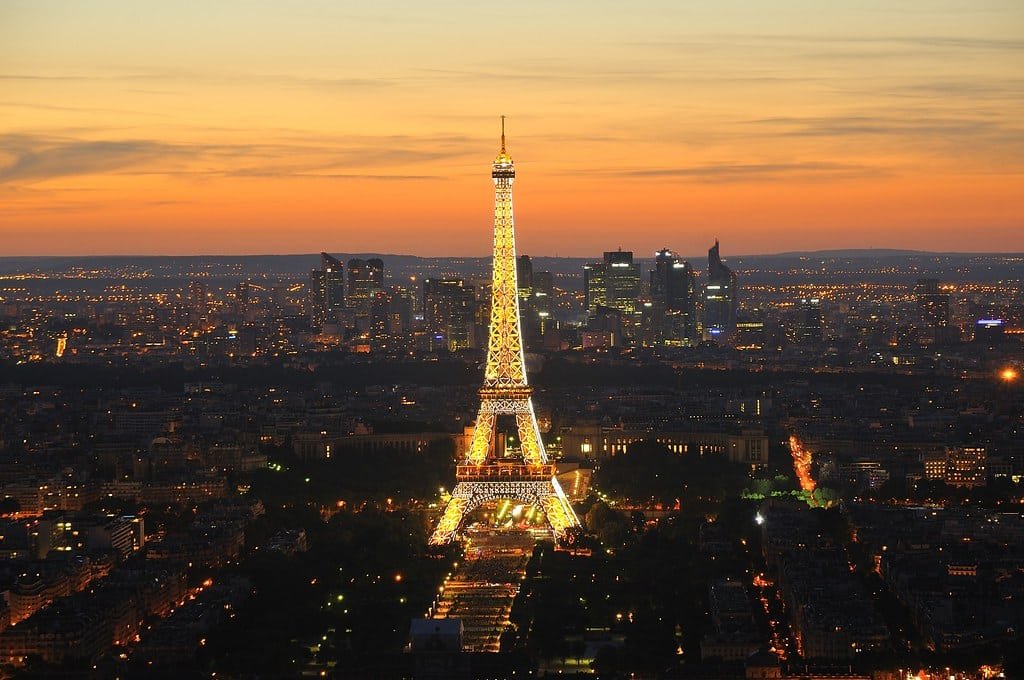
x: 481, y: 477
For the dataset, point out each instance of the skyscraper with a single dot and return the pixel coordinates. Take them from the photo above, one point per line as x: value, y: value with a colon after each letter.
x: 809, y: 324
x: 673, y: 299
x: 623, y: 281
x: 543, y: 295
x: 524, y: 277
x: 720, y: 298
x: 594, y: 287
x: 527, y: 314
x: 614, y: 283
x: 326, y: 291
x: 449, y: 312
x: 365, y: 282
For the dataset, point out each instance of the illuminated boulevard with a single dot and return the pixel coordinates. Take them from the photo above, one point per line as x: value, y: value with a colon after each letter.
x: 482, y: 589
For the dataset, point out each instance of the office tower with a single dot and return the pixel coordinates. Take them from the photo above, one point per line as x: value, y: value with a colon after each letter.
x: 614, y: 283
x: 543, y: 297
x: 594, y: 287
x: 673, y: 300
x: 536, y: 295
x: 326, y: 291
x: 720, y: 298
x: 449, y: 312
x: 505, y: 392
x: 622, y: 278
x: 365, y: 281
x: 524, y: 277
x: 527, y: 313
x: 808, y: 323
x: 402, y: 303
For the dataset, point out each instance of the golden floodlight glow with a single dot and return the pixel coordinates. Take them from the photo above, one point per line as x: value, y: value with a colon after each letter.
x: 1009, y: 374
x: 481, y: 479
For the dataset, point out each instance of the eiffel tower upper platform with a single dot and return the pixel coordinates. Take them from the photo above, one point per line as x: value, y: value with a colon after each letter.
x: 482, y: 477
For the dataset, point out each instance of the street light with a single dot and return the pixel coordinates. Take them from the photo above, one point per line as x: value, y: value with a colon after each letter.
x: 1009, y: 374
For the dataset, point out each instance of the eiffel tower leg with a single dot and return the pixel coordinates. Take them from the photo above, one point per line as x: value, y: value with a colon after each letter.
x: 558, y: 509
x: 454, y: 515
x: 483, y: 436
x: 529, y: 435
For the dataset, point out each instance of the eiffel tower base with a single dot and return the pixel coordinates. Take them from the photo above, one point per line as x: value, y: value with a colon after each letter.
x: 545, y: 495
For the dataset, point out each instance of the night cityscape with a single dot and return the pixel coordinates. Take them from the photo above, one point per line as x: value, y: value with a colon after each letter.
x: 293, y: 386
x: 810, y: 462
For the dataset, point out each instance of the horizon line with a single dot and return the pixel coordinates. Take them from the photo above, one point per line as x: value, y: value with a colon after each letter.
x: 864, y: 250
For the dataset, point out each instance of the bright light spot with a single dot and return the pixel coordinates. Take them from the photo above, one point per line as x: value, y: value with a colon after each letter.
x: 759, y: 518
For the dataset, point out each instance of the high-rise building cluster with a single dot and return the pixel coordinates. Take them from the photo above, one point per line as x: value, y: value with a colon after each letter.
x: 669, y: 309
x: 338, y: 303
x: 876, y: 310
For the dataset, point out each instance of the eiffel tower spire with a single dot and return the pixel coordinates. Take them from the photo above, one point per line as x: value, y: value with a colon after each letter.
x: 506, y: 392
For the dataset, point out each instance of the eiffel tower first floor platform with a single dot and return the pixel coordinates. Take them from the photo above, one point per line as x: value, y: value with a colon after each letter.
x: 534, y: 485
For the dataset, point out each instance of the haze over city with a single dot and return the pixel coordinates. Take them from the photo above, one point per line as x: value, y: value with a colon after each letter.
x: 262, y: 127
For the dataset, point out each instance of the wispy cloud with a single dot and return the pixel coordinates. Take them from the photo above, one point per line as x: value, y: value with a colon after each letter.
x: 34, y: 159
x: 848, y: 125
x: 30, y: 76
x: 28, y: 158
x: 728, y: 40
x: 969, y: 91
x: 726, y: 173
x: 211, y: 77
x: 971, y: 141
x: 54, y: 107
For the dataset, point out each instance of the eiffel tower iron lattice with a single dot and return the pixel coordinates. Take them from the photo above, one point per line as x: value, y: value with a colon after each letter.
x: 482, y: 477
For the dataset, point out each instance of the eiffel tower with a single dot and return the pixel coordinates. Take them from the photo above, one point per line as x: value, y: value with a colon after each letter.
x: 482, y: 477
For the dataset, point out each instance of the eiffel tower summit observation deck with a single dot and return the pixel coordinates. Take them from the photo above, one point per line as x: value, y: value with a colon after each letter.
x: 483, y: 477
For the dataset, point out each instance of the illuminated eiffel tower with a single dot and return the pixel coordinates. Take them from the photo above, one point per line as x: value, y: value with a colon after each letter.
x: 483, y: 477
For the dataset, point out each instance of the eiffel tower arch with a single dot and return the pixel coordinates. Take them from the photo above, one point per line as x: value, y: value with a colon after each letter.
x: 482, y: 477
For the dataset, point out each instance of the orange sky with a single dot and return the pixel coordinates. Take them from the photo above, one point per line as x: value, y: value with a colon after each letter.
x: 258, y: 126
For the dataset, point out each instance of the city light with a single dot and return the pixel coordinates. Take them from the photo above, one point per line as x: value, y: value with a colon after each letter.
x: 802, y: 464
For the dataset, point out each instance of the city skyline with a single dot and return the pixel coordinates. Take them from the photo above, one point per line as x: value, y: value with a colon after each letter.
x: 771, y: 471
x: 206, y: 131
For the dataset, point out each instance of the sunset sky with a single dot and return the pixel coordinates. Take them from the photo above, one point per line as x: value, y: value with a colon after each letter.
x: 261, y: 126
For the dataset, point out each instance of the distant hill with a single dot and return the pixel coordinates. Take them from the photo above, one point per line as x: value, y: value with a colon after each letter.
x: 854, y: 253
x: 903, y: 264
